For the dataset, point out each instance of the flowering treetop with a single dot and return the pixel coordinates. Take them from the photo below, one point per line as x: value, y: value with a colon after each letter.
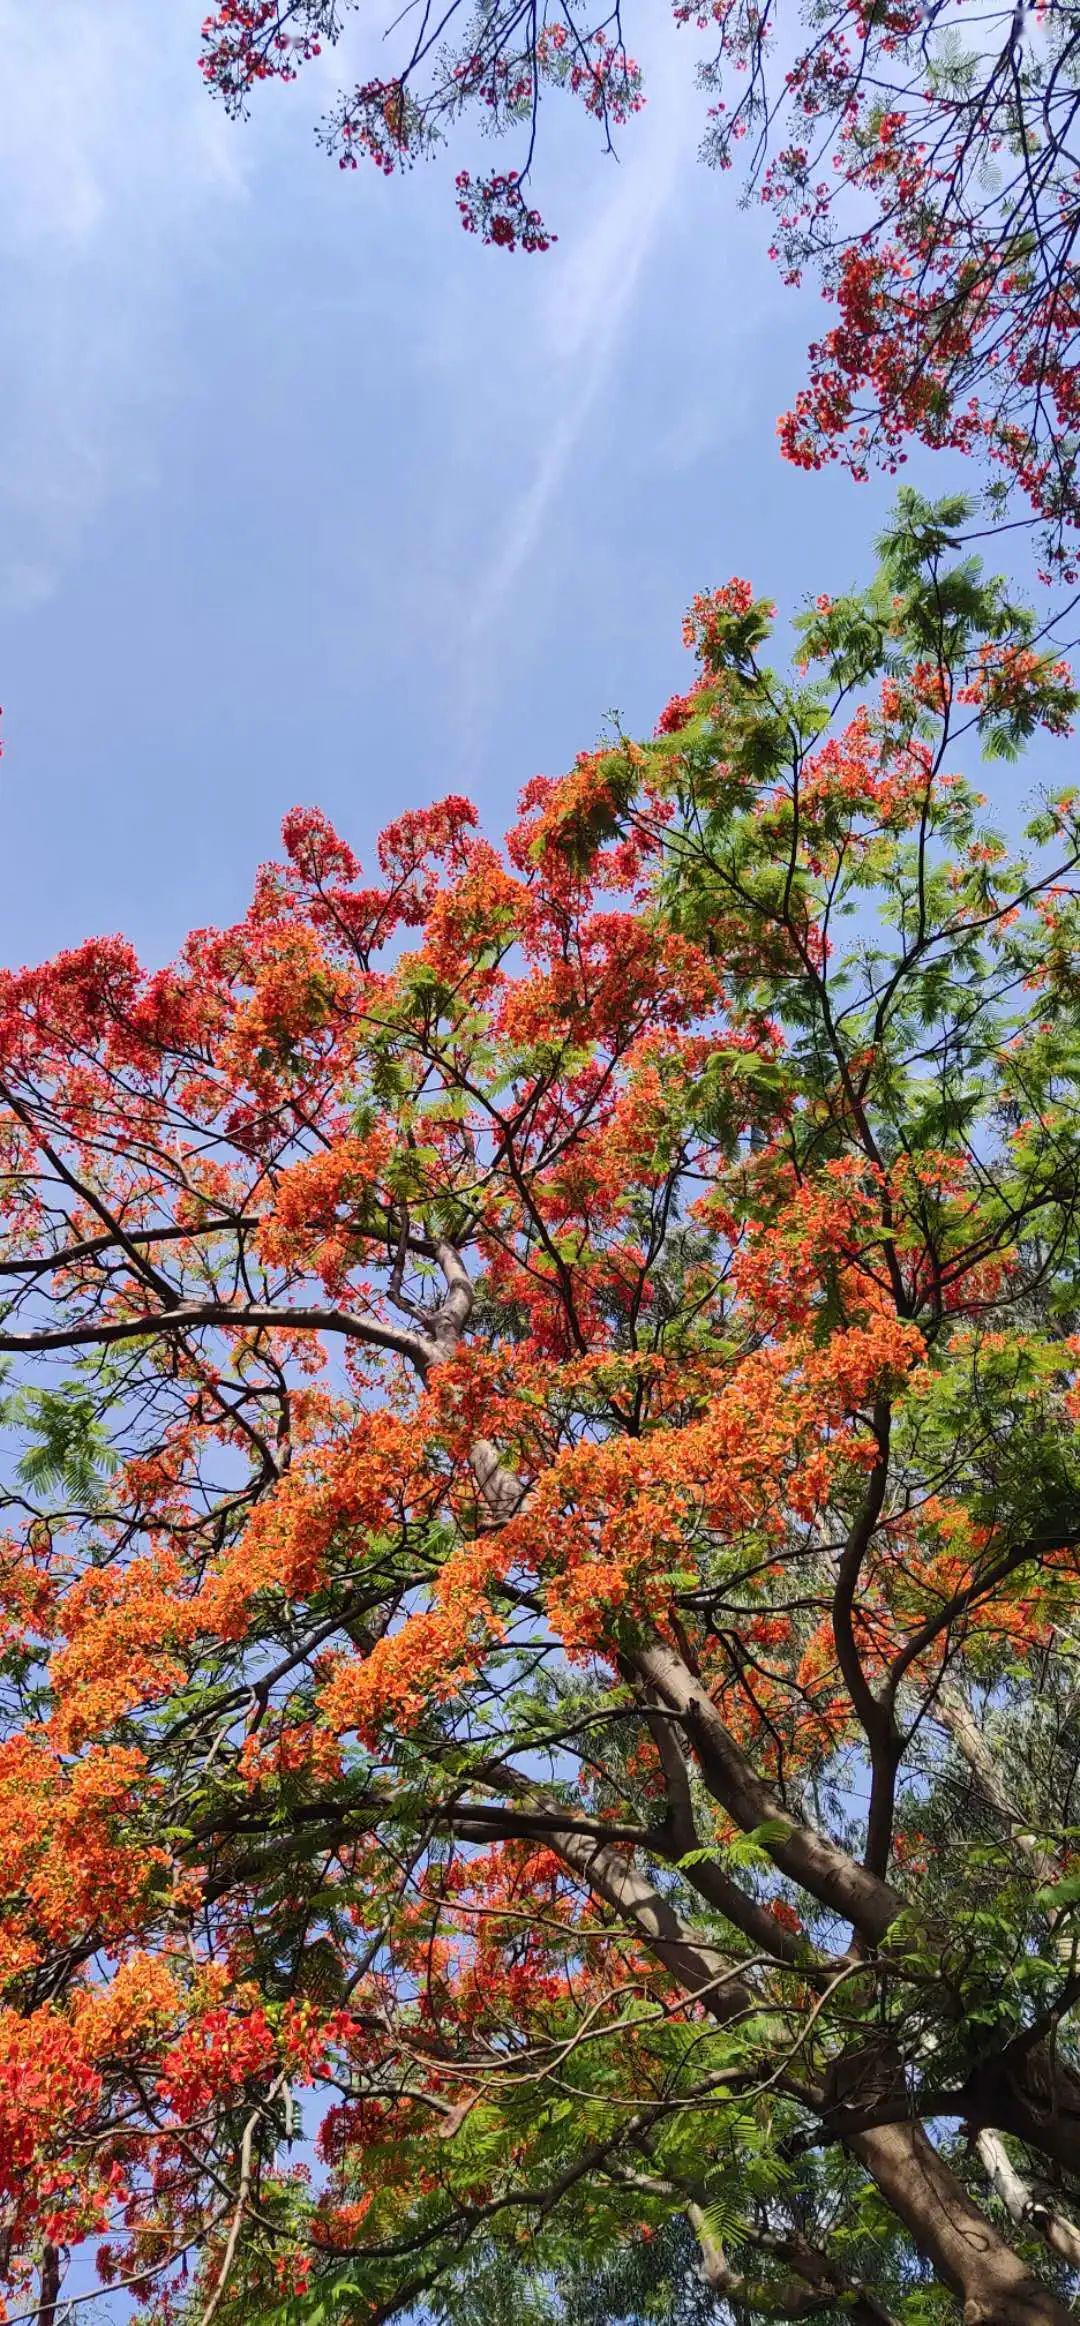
x: 541, y: 1403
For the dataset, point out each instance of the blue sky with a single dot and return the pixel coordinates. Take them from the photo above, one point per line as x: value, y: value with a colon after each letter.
x: 305, y: 495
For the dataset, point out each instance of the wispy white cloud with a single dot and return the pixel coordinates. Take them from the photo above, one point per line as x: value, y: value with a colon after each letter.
x: 112, y: 161
x: 584, y: 321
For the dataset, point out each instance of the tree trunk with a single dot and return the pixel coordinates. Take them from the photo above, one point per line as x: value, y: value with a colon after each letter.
x: 1033, y: 2094
x: 962, y: 2246
x: 50, y: 2286
x: 946, y: 2227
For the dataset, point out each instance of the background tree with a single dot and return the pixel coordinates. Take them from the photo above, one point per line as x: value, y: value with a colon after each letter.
x: 541, y: 1573
x: 921, y: 159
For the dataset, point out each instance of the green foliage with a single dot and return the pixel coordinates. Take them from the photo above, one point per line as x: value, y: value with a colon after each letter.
x: 719, y: 1807
x: 68, y: 1448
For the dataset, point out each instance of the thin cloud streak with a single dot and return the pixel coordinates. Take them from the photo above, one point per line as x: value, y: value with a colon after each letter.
x: 586, y: 320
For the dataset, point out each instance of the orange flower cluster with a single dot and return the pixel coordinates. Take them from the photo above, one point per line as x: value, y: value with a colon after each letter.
x: 539, y: 1368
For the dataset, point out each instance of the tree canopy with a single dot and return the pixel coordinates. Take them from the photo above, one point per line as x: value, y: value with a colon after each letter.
x: 541, y: 1584
x: 920, y: 160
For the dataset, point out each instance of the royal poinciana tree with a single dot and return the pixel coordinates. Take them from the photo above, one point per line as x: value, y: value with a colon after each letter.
x: 920, y: 157
x: 541, y: 1571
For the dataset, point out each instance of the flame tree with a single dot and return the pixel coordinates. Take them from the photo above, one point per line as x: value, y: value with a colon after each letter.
x: 540, y: 1572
